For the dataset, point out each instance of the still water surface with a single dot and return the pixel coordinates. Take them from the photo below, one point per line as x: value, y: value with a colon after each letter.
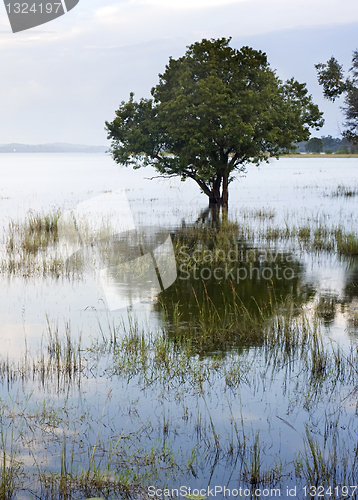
x: 293, y: 191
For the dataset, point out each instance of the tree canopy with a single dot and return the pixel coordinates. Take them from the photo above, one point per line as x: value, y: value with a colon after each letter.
x: 314, y: 145
x: 330, y: 75
x: 215, y: 110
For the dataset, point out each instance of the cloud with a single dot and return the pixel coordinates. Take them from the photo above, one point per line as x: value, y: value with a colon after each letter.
x: 107, y: 13
x: 135, y: 21
x: 188, y: 4
x: 70, y: 77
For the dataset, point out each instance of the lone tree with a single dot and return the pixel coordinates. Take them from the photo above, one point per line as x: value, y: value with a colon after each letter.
x: 215, y: 110
x: 330, y: 76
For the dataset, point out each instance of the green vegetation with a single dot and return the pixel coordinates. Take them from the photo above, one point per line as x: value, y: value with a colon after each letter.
x: 215, y: 110
x: 331, y: 77
x: 38, y: 232
x: 197, y: 246
x: 345, y: 191
x: 314, y: 145
x: 182, y: 391
x: 31, y: 248
x: 330, y: 145
x: 121, y: 462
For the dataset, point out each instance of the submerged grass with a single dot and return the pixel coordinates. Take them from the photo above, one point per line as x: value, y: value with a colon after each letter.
x: 310, y: 238
x: 58, y: 363
x: 329, y: 469
x: 241, y: 243
x: 345, y: 191
x: 33, y: 431
x: 30, y: 248
x: 10, y: 466
x: 37, y: 232
x: 191, y: 355
x: 92, y: 462
x: 199, y: 359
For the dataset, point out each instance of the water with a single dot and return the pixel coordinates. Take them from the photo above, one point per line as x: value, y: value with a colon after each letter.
x: 294, y: 189
x: 176, y: 419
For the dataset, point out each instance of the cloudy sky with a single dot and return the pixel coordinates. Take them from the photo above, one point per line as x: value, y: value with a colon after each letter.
x: 61, y: 81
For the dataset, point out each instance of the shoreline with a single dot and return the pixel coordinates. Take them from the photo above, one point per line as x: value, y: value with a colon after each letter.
x: 308, y: 155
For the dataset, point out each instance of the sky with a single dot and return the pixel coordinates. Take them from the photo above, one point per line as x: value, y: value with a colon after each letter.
x: 59, y: 82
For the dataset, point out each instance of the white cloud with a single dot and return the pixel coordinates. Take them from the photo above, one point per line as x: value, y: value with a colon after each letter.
x: 134, y: 21
x: 189, y: 4
x: 84, y: 63
x: 107, y: 13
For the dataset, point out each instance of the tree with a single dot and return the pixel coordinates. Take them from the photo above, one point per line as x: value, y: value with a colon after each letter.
x: 330, y: 76
x: 215, y: 110
x: 314, y: 145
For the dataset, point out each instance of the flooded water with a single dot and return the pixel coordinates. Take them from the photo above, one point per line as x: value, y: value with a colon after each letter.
x: 163, y: 388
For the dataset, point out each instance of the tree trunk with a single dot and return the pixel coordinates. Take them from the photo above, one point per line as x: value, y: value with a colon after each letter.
x: 215, y: 201
x: 225, y: 192
x: 216, y: 197
x: 218, y: 191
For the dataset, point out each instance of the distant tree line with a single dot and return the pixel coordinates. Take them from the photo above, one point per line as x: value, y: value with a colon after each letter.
x: 327, y: 144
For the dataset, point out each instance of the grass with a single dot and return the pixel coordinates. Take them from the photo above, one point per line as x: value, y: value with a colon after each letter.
x: 289, y: 340
x: 37, y: 232
x: 313, y: 239
x: 318, y: 155
x: 347, y: 244
x: 30, y: 248
x: 58, y: 363
x: 345, y: 191
x: 34, y: 432
x: 10, y: 467
x: 124, y: 458
x: 235, y: 242
x: 181, y: 371
x: 329, y: 468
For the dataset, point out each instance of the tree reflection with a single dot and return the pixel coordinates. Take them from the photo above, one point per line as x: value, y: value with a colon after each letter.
x: 226, y: 289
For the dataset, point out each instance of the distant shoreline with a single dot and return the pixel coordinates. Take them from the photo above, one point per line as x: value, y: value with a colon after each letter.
x: 53, y: 152
x: 55, y: 147
x: 308, y: 155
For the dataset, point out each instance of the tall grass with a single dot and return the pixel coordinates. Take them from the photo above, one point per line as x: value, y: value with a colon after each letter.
x: 30, y: 248
x: 345, y: 191
x: 10, y: 467
x: 58, y: 362
x: 221, y: 350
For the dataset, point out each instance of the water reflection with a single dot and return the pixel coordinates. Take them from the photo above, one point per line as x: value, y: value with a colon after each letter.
x: 331, y: 303
x: 224, y: 284
x: 350, y: 291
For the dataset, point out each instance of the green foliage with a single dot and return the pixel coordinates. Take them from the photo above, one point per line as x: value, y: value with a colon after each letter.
x: 351, y: 104
x: 332, y: 145
x: 343, y: 151
x: 314, y: 145
x: 330, y: 76
x: 215, y: 110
